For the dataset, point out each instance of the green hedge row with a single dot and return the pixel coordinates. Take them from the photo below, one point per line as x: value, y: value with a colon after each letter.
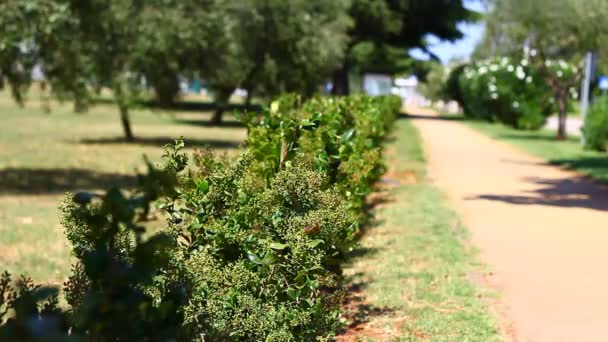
x: 252, y: 247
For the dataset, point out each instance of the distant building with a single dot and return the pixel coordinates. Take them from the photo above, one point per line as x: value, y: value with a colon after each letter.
x: 377, y: 84
x: 406, y: 88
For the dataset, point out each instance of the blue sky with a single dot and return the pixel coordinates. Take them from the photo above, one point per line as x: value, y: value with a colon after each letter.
x: 459, y: 49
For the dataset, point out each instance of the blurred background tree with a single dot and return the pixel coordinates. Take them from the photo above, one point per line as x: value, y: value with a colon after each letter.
x: 547, y: 31
x: 267, y: 47
x: 387, y: 29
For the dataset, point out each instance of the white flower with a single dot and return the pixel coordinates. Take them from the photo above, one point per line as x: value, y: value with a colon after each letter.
x: 492, y: 88
x: 533, y: 52
x: 520, y: 73
x: 563, y: 64
x: 494, y: 96
x: 504, y: 61
x: 560, y: 74
x: 529, y: 79
x: 515, y: 104
x: 510, y: 68
x: 482, y: 70
x: 493, y: 67
x: 524, y: 62
x: 548, y: 63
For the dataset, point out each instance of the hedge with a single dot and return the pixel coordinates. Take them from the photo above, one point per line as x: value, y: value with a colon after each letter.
x: 252, y: 247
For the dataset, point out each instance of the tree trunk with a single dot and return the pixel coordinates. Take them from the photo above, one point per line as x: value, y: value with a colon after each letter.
x: 340, y: 84
x: 562, y: 103
x: 167, y: 90
x: 126, y: 123
x: 222, y: 98
x: 218, y: 114
x: 248, y: 100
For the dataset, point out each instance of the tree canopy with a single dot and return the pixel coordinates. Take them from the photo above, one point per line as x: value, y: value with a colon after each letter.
x: 389, y: 28
x: 547, y: 31
x: 265, y: 46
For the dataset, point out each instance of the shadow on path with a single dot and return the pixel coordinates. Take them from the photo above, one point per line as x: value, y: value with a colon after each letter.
x: 576, y: 192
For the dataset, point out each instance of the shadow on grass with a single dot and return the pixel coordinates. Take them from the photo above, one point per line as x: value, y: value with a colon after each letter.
x: 29, y: 181
x: 596, y: 167
x: 600, y: 163
x: 536, y: 137
x: 187, y: 106
x: 205, y: 123
x: 358, y: 312
x: 161, y: 141
x: 433, y: 117
x: 200, y: 106
x: 576, y: 192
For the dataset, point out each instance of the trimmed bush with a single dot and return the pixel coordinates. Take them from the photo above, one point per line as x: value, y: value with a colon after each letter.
x: 252, y: 247
x: 596, y: 125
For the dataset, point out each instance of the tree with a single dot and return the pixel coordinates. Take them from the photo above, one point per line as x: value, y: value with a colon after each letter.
x: 394, y: 25
x: 434, y: 86
x: 552, y: 31
x: 273, y: 46
x: 83, y: 46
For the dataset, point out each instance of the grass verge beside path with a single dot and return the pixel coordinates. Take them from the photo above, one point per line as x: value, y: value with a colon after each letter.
x: 410, y: 279
x: 542, y: 144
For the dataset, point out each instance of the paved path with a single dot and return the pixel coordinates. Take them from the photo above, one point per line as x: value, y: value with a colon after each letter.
x: 542, y: 230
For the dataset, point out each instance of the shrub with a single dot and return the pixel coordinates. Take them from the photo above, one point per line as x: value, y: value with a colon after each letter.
x: 507, y: 91
x: 596, y: 126
x: 253, y: 245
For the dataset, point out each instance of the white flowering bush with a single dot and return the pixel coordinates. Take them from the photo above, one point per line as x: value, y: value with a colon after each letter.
x: 510, y: 91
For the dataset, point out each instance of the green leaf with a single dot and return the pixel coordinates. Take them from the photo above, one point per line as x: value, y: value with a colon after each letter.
x: 348, y: 135
x: 196, y: 226
x: 293, y: 293
x: 314, y: 243
x: 202, y: 185
x: 278, y: 246
x: 254, y: 258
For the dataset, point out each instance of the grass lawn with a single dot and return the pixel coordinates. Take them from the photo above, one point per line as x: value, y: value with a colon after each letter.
x: 42, y: 156
x: 568, y: 153
x: 411, y: 276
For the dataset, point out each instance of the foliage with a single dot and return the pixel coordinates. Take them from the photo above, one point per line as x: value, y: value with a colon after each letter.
x: 272, y: 47
x: 387, y: 29
x: 509, y: 91
x: 551, y: 30
x: 434, y: 86
x: 596, y: 125
x: 83, y: 46
x: 253, y: 245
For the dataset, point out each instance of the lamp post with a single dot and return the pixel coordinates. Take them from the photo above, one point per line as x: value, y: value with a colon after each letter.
x: 586, y: 88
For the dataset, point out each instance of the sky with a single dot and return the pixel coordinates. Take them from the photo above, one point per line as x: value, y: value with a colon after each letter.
x: 461, y: 48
